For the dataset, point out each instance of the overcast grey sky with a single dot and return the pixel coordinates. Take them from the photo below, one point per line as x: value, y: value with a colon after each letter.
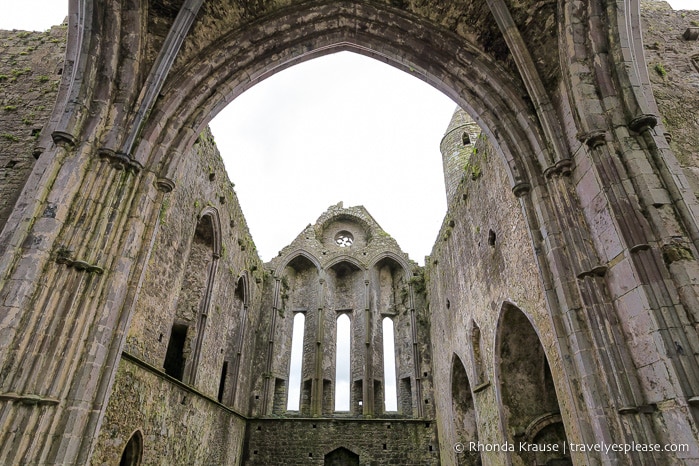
x: 338, y: 128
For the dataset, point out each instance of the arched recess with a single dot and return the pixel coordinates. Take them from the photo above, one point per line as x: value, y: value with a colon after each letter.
x: 293, y: 397
x: 133, y: 451
x: 298, y: 294
x: 341, y: 457
x: 529, y: 403
x: 463, y: 414
x: 346, y: 290
x: 230, y: 372
x: 393, y: 300
x: 194, y: 299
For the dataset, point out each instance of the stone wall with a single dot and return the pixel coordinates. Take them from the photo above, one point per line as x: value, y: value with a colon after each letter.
x: 482, y: 277
x: 201, y: 185
x: 307, y: 441
x: 179, y: 425
x: 30, y: 70
x: 481, y: 262
x: 199, y: 420
x: 673, y: 67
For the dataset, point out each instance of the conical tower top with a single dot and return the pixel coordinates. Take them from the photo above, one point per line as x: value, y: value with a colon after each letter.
x: 456, y: 147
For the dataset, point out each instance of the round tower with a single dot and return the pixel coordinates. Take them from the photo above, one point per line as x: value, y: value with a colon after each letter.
x: 456, y: 147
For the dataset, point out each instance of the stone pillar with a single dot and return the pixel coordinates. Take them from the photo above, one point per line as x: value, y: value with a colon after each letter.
x: 368, y: 384
x: 317, y: 384
x: 267, y: 392
x: 67, y: 301
x: 419, y: 412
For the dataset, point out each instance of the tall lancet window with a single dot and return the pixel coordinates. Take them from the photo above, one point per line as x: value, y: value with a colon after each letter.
x: 296, y: 364
x: 389, y: 366
x: 342, y: 363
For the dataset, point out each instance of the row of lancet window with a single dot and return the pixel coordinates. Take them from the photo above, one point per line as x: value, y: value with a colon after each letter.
x: 343, y: 364
x: 192, y: 310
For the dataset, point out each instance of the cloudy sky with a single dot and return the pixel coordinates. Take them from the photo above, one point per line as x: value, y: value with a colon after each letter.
x: 338, y: 128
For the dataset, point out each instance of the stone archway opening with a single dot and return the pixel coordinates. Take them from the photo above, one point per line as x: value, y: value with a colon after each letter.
x: 463, y: 414
x: 532, y: 414
x: 201, y: 82
x: 341, y: 457
x: 133, y: 451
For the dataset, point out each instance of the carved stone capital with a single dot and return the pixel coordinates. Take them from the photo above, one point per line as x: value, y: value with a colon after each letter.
x: 643, y: 123
x: 119, y: 161
x: 597, y: 271
x: 521, y: 188
x: 594, y: 138
x: 563, y: 167
x: 63, y: 138
x: 165, y: 185
x: 63, y: 256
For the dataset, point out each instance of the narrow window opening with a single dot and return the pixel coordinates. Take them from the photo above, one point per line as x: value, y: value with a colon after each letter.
x: 389, y: 366
x: 491, y: 238
x: 342, y: 363
x: 174, y: 357
x: 222, y: 382
x: 296, y: 363
x: 406, y: 397
x: 279, y: 396
x: 133, y: 451
x: 357, y: 396
x: 465, y: 139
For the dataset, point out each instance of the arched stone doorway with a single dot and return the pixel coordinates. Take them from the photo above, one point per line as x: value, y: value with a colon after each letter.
x: 529, y: 402
x: 341, y: 457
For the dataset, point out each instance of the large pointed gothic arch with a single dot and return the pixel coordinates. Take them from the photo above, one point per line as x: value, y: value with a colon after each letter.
x: 143, y: 78
x: 197, y: 93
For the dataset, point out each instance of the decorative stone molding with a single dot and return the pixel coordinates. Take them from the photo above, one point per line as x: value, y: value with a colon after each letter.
x: 164, y: 185
x: 628, y: 410
x: 563, y: 167
x: 594, y: 138
x: 639, y: 247
x: 539, y: 424
x: 28, y: 399
x: 62, y: 138
x: 522, y: 188
x: 63, y: 257
x: 597, y: 271
x: 119, y: 161
x: 643, y: 123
